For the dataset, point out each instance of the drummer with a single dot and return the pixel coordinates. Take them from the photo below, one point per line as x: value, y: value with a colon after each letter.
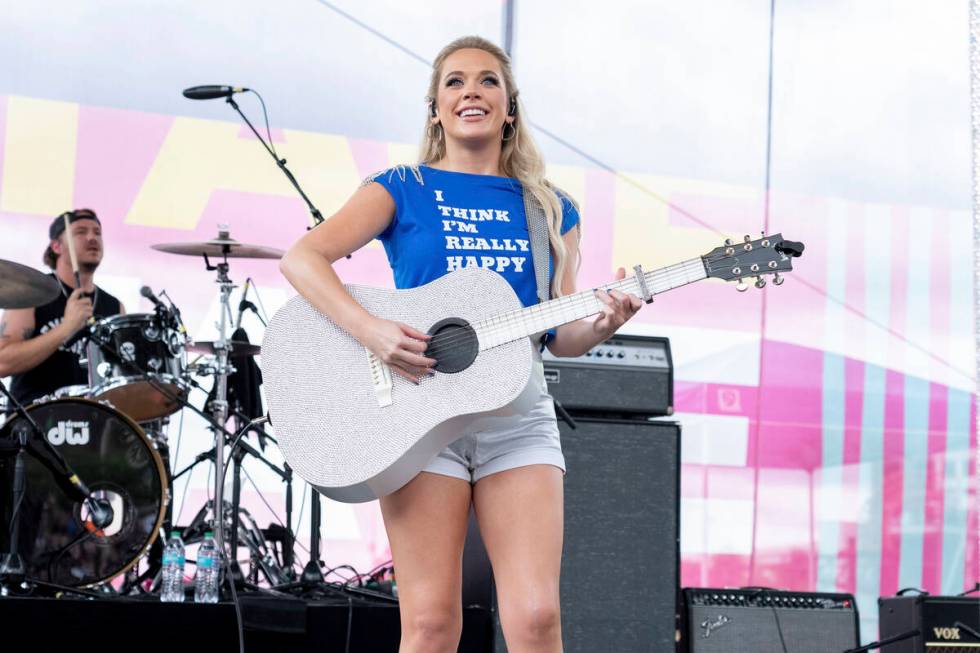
x: 32, y: 340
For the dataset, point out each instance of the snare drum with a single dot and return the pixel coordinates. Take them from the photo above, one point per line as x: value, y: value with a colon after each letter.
x: 146, y: 347
x: 113, y: 456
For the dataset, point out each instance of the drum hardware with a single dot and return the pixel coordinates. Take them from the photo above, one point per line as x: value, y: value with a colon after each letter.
x: 220, y: 404
x: 261, y: 559
x: 242, y: 448
x: 223, y: 247
x: 236, y: 348
x: 223, y: 348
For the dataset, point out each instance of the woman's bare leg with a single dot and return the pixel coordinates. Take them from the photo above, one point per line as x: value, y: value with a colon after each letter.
x: 426, y: 523
x: 520, y: 512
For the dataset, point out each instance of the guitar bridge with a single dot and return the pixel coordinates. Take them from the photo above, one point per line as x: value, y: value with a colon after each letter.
x: 380, y: 379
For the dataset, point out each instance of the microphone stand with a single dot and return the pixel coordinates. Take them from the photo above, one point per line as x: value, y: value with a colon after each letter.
x: 244, y: 305
x: 315, y: 212
x: 891, y: 640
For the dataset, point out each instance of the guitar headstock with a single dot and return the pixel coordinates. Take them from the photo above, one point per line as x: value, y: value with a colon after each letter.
x: 752, y: 258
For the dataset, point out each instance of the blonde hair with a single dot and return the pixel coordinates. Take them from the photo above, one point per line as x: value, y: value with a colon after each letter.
x: 519, y: 155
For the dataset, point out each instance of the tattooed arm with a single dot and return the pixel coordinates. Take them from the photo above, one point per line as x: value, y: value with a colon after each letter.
x: 18, y: 351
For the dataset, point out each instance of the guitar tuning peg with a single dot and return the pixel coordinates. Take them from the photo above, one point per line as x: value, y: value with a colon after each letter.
x: 748, y: 238
x: 728, y: 242
x: 760, y: 282
x: 741, y: 286
x: 777, y: 280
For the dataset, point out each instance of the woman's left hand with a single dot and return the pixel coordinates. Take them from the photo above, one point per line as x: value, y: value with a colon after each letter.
x: 618, y: 307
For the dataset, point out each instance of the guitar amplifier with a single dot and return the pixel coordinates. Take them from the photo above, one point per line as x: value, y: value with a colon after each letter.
x: 945, y: 624
x: 624, y: 377
x: 766, y: 621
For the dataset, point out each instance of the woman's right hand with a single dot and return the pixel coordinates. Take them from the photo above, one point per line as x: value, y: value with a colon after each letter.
x: 399, y: 346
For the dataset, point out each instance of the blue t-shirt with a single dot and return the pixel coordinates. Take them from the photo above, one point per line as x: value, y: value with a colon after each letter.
x: 446, y: 221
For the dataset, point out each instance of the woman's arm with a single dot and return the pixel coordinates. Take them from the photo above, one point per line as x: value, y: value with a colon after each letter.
x: 578, y: 337
x: 308, y: 267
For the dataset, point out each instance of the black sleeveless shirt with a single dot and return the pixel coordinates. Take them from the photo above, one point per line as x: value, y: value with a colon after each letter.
x: 60, y: 368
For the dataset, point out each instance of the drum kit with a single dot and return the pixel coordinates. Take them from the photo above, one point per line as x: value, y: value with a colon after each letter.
x: 109, y: 437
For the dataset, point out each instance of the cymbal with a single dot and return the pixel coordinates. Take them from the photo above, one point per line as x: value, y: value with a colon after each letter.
x: 238, y: 348
x: 24, y: 287
x: 223, y: 246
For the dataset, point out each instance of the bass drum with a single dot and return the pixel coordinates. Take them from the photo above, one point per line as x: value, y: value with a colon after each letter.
x: 113, y: 456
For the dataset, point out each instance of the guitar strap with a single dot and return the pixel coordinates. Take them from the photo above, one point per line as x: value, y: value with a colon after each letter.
x: 537, y: 229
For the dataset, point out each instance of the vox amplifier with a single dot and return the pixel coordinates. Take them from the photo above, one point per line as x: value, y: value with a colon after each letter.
x: 945, y: 624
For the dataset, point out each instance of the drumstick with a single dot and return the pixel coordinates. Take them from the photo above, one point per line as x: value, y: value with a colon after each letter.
x: 71, y: 250
x: 74, y: 259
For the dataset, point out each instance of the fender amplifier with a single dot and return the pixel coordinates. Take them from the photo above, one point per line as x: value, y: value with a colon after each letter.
x: 767, y: 621
x: 945, y: 624
x: 624, y: 377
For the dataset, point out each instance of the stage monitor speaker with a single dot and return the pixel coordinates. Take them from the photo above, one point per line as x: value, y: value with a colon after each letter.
x: 767, y: 621
x: 619, y: 577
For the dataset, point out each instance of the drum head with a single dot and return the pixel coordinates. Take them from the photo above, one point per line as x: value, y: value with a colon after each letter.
x: 113, y: 456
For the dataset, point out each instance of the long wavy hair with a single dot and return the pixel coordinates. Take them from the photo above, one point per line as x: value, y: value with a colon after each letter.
x: 520, y: 157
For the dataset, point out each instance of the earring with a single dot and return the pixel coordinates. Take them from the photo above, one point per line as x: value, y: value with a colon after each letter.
x: 436, y: 131
x: 513, y: 132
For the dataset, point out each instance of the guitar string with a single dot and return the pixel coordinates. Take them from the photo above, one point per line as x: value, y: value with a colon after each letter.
x: 543, y: 313
x: 584, y: 304
x: 515, y: 323
x: 657, y: 281
x: 507, y: 322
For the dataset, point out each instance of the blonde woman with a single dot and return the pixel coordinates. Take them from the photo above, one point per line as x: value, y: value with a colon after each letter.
x: 462, y: 205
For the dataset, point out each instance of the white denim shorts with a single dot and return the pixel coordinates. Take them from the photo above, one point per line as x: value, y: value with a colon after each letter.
x: 500, y: 443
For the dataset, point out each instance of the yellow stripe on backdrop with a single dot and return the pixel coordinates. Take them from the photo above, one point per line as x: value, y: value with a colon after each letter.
x: 201, y: 156
x: 642, y: 232
x: 39, y: 156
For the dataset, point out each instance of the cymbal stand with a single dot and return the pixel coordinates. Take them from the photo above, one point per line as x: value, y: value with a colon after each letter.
x: 219, y: 406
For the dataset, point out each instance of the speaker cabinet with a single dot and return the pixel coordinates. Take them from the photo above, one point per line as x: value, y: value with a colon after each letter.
x: 619, y: 578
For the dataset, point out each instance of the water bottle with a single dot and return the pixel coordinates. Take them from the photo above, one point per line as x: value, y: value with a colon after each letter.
x: 208, y: 571
x: 172, y: 580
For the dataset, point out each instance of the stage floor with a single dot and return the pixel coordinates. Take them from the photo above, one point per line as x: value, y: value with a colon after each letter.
x: 272, y: 625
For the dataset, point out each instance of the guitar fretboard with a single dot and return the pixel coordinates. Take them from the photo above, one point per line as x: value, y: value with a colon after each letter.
x: 512, y: 325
